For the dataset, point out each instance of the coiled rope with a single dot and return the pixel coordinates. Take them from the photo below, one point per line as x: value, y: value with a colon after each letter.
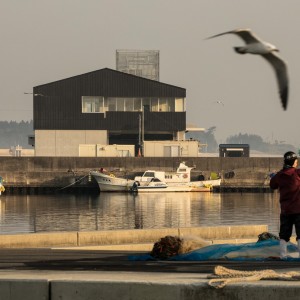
x: 222, y: 276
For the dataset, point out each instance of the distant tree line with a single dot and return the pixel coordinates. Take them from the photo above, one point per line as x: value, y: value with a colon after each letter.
x: 14, y: 133
x: 209, y: 144
x: 257, y: 143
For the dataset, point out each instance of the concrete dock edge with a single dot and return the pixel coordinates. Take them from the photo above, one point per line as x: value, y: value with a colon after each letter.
x: 39, y: 240
x: 79, y: 290
x: 140, y: 286
x: 24, y: 289
x: 131, y: 236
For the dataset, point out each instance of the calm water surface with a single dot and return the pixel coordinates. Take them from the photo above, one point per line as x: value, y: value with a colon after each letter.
x: 108, y: 211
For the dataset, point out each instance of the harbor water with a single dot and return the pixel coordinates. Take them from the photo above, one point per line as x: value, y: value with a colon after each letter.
x: 110, y: 211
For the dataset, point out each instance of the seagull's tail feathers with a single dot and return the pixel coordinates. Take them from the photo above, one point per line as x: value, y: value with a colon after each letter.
x: 240, y: 50
x: 284, y: 96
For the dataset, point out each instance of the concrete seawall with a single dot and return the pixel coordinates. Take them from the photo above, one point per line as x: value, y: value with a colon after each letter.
x: 185, y: 281
x: 60, y: 172
x: 141, y: 286
x: 120, y: 237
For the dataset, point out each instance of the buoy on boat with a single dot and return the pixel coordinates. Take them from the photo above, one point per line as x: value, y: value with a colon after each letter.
x: 2, y: 188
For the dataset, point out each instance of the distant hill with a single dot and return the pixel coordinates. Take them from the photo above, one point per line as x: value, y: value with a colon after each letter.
x: 15, y: 133
x: 257, y: 143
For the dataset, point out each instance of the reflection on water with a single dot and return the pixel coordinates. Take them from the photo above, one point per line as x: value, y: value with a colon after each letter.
x: 108, y: 211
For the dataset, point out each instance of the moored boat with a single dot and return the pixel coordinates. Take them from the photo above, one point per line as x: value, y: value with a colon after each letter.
x: 182, y: 177
x: 154, y: 181
x: 110, y: 183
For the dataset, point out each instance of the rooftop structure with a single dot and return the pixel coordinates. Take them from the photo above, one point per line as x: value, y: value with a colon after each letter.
x: 143, y: 63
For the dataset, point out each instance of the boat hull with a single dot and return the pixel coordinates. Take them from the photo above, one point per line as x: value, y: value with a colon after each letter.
x: 173, y: 189
x: 204, y: 183
x: 109, y: 183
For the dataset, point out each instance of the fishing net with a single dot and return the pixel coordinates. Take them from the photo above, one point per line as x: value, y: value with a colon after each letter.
x: 166, y: 247
x: 246, y: 251
x: 267, y: 236
x: 170, y: 246
x: 196, y: 249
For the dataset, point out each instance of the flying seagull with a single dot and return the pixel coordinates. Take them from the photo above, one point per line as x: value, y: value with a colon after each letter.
x: 219, y: 102
x: 254, y: 45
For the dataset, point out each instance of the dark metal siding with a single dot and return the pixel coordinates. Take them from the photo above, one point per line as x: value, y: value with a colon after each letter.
x: 158, y: 121
x: 60, y: 107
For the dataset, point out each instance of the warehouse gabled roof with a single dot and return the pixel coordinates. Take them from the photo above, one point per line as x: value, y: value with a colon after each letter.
x: 111, y: 83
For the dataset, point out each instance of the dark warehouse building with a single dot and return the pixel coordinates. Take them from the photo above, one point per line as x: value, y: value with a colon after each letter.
x: 105, y: 107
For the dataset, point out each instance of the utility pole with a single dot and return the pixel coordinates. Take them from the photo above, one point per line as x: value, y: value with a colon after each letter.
x: 140, y: 131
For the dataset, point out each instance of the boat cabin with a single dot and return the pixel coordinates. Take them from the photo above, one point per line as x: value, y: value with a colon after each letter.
x: 182, y: 175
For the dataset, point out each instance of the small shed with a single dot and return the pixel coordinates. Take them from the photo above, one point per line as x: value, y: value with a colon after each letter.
x: 187, y: 148
x: 234, y: 150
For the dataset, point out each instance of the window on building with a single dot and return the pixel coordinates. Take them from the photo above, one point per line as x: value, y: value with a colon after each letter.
x: 100, y: 104
x: 91, y: 104
x: 105, y: 106
x: 112, y: 104
x: 120, y: 104
x: 171, y: 103
x: 179, y: 104
x: 137, y: 104
x: 129, y: 105
x: 146, y: 102
x: 166, y: 104
x: 154, y: 104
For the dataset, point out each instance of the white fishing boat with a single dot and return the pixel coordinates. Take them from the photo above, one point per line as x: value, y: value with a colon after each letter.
x: 155, y: 181
x: 110, y: 183
x: 182, y: 177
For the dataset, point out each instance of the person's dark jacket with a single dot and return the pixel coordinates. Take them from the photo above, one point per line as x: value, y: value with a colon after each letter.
x: 288, y: 182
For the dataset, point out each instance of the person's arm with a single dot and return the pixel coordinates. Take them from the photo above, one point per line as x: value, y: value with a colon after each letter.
x: 274, y: 183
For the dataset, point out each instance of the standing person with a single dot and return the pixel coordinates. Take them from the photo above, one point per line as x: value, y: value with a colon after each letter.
x: 287, y: 181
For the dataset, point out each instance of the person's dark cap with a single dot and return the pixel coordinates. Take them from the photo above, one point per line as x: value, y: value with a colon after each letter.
x: 290, y: 155
x: 289, y: 158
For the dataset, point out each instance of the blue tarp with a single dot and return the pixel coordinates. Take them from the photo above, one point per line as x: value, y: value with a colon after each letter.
x: 247, y: 251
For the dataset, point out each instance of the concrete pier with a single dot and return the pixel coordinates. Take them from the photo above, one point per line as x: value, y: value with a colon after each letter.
x: 76, y: 266
x: 91, y: 285
x: 50, y: 274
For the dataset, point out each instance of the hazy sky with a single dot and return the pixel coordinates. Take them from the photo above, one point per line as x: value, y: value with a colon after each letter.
x: 44, y: 41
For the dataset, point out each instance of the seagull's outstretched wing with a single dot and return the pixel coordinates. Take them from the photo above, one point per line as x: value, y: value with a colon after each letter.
x: 280, y: 68
x: 246, y: 34
x: 254, y: 45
